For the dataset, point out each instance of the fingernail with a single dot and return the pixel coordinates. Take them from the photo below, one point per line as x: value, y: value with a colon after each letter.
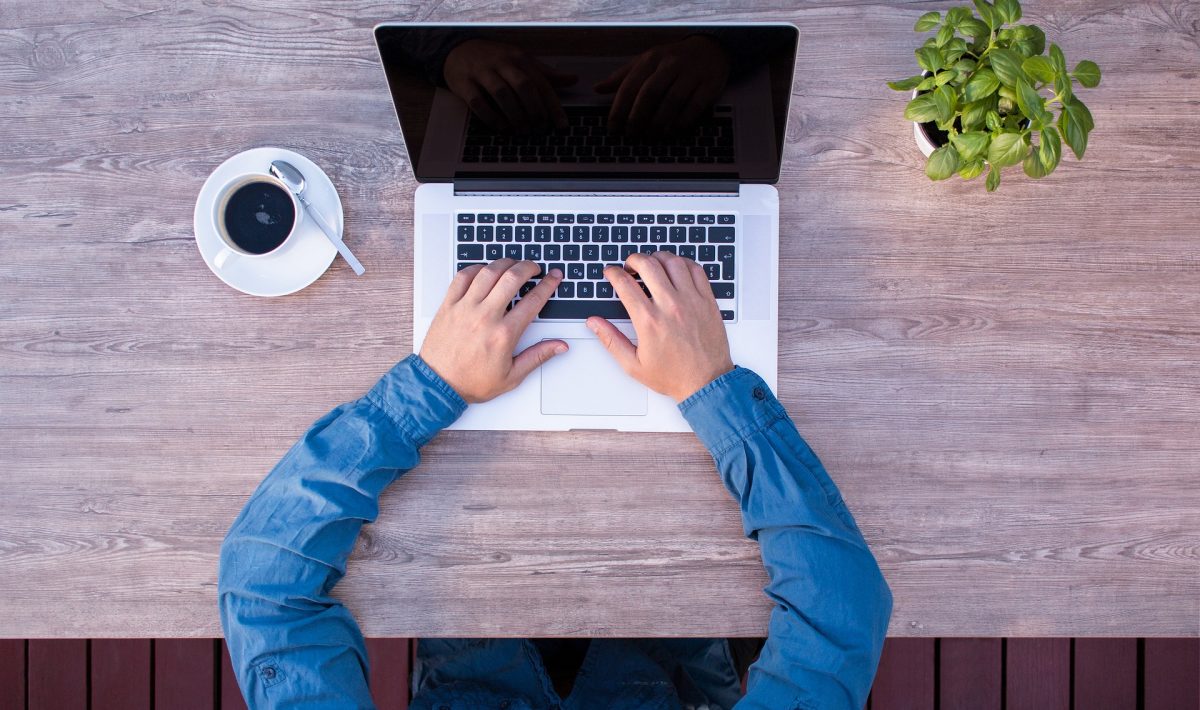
x: 560, y: 349
x: 592, y: 327
x: 556, y: 273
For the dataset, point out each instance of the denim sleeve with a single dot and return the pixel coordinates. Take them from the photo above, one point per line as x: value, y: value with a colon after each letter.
x: 292, y: 643
x: 832, y: 604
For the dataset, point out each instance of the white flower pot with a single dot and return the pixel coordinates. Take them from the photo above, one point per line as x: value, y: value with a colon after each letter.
x: 927, y: 146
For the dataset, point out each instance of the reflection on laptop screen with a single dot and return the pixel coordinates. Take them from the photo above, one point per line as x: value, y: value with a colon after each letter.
x: 612, y: 101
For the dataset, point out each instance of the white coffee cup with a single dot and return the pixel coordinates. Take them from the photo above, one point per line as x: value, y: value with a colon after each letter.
x: 231, y: 251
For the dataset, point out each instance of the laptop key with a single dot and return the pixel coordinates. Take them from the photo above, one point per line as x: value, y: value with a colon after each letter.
x: 512, y: 251
x: 638, y: 235
x: 466, y: 218
x: 575, y: 271
x: 585, y: 218
x: 707, y: 219
x: 541, y: 234
x: 658, y: 235
x: 462, y: 265
x: 713, y: 272
x: 668, y: 247
x: 722, y: 290
x: 580, y: 234
x: 624, y: 219
x: 533, y: 252
x: 504, y: 234
x: 604, y: 290
x: 486, y: 217
x: 687, y: 251
x: 466, y: 233
x: 553, y: 252
x: 565, y: 219
x: 556, y: 309
x: 666, y: 219
x: 725, y: 219
x: 605, y: 218
x: 686, y: 219
x: 595, y: 271
x: 627, y: 251
x: 495, y: 251
x: 562, y: 268
x: 545, y: 219
x: 678, y: 234
x: 720, y: 235
x: 585, y: 289
x: 525, y: 218
x: 620, y: 234
x: 524, y: 233
x: 562, y: 234
x: 726, y: 315
x: 467, y: 252
x: 645, y: 219
x: 725, y: 256
x: 571, y: 252
x: 526, y: 288
x: 696, y: 234
x: 708, y: 252
x: 506, y: 219
x: 608, y: 252
x: 600, y: 233
x: 648, y: 249
x: 484, y: 234
x: 566, y: 289
x: 591, y: 252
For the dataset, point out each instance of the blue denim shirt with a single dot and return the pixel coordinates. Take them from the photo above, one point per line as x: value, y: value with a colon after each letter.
x: 295, y: 645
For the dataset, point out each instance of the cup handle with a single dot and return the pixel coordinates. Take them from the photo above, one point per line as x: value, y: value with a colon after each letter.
x: 223, y: 257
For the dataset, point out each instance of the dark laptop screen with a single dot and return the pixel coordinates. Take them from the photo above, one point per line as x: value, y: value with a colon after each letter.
x: 601, y: 101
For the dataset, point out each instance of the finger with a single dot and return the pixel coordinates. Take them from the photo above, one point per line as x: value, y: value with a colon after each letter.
x: 615, y: 342
x: 652, y: 92
x: 531, y: 304
x: 627, y: 93
x: 461, y: 282
x: 480, y: 106
x: 505, y: 98
x: 528, y: 93
x: 698, y: 105
x: 677, y: 270
x: 612, y: 81
x: 675, y: 102
x: 553, y: 107
x: 487, y: 277
x: 533, y: 357
x: 510, y: 282
x: 700, y: 279
x: 629, y: 291
x: 652, y: 273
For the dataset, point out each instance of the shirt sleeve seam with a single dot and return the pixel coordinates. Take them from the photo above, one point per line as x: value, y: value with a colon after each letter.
x: 759, y: 424
x: 398, y: 419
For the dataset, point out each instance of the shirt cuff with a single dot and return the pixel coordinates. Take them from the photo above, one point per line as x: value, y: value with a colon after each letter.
x: 731, y: 408
x: 417, y: 399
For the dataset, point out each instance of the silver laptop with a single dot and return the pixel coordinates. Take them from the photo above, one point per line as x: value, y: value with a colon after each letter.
x: 574, y: 146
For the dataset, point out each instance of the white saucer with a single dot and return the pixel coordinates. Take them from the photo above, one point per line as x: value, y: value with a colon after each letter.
x: 299, y: 262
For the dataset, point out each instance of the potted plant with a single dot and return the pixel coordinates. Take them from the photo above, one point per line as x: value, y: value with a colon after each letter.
x: 987, y: 88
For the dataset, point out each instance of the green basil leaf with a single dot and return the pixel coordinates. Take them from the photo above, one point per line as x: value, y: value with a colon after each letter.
x: 1009, y: 9
x: 974, y: 115
x: 1088, y: 73
x: 1056, y: 56
x: 983, y: 84
x: 943, y: 77
x: 921, y: 109
x: 1037, y: 40
x: 957, y: 15
x: 986, y: 12
x: 942, y: 163
x: 1050, y: 148
x: 926, y: 84
x: 993, y: 179
x: 1073, y: 133
x: 1007, y: 65
x: 972, y: 170
x: 927, y: 22
x: 1039, y: 68
x: 1082, y: 114
x: 1062, y: 87
x: 967, y: 65
x: 1031, y: 103
x: 906, y: 84
x: 944, y: 35
x: 970, y: 144
x: 929, y: 58
x: 946, y: 96
x: 1007, y: 149
x: 993, y: 121
x: 974, y: 28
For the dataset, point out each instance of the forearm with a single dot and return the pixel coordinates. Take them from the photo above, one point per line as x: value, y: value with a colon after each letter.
x: 289, y: 546
x: 832, y: 604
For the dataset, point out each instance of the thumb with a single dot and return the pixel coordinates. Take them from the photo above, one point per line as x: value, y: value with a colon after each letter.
x: 613, y: 81
x: 533, y: 357
x: 615, y: 342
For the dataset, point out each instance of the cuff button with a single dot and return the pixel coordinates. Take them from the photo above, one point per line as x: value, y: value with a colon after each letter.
x: 759, y: 394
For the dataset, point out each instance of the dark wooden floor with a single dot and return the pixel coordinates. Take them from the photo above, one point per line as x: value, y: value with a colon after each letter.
x: 915, y: 674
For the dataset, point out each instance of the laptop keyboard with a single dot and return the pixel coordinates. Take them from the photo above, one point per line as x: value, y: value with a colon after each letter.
x: 586, y: 139
x: 581, y: 245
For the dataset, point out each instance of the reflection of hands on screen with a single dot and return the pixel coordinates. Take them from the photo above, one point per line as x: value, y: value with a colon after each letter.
x: 668, y: 87
x: 505, y: 87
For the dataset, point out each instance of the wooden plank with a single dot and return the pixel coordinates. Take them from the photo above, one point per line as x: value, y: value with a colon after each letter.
x: 184, y: 673
x: 1171, y: 675
x: 57, y: 676
x: 12, y: 673
x: 391, y: 664
x: 980, y: 373
x: 905, y: 679
x: 231, y: 694
x: 969, y: 674
x: 1105, y: 673
x: 1038, y: 674
x: 120, y: 674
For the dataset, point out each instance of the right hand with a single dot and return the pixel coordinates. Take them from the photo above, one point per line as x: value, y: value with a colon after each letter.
x: 682, y: 344
x: 505, y: 87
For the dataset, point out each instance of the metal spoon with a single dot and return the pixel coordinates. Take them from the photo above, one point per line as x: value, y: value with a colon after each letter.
x: 294, y: 179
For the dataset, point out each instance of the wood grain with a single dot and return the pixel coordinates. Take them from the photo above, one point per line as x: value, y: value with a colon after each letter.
x: 1037, y: 674
x: 905, y: 677
x: 1003, y: 385
x: 57, y: 674
x: 1106, y: 673
x: 120, y: 674
x: 970, y: 674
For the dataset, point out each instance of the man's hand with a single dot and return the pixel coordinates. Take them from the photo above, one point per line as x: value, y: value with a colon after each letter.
x: 505, y: 87
x: 471, y: 341
x: 681, y: 339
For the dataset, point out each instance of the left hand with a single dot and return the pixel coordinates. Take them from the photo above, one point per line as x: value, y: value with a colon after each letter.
x: 471, y: 341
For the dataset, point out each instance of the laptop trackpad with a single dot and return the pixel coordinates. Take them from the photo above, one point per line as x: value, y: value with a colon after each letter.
x: 588, y: 381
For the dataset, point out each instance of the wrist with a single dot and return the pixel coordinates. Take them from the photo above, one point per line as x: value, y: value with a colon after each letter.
x: 700, y: 383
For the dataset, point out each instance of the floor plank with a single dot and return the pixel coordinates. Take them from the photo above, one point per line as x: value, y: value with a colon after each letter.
x: 1105, y: 674
x: 57, y: 674
x: 12, y: 673
x: 120, y: 674
x: 1172, y: 674
x: 231, y: 694
x: 969, y: 674
x: 184, y: 674
x: 905, y: 677
x: 1038, y: 674
x: 390, y: 665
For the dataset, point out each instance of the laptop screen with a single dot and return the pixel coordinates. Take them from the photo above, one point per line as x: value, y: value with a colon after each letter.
x: 593, y: 101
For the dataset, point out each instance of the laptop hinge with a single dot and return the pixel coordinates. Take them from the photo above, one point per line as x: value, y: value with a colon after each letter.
x: 609, y: 186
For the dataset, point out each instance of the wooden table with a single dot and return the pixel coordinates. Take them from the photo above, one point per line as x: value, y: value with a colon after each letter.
x: 1004, y: 386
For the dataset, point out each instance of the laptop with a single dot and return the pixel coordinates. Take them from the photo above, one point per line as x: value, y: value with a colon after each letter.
x: 576, y: 145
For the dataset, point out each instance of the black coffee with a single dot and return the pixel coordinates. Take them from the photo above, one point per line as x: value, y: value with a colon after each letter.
x: 259, y: 216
